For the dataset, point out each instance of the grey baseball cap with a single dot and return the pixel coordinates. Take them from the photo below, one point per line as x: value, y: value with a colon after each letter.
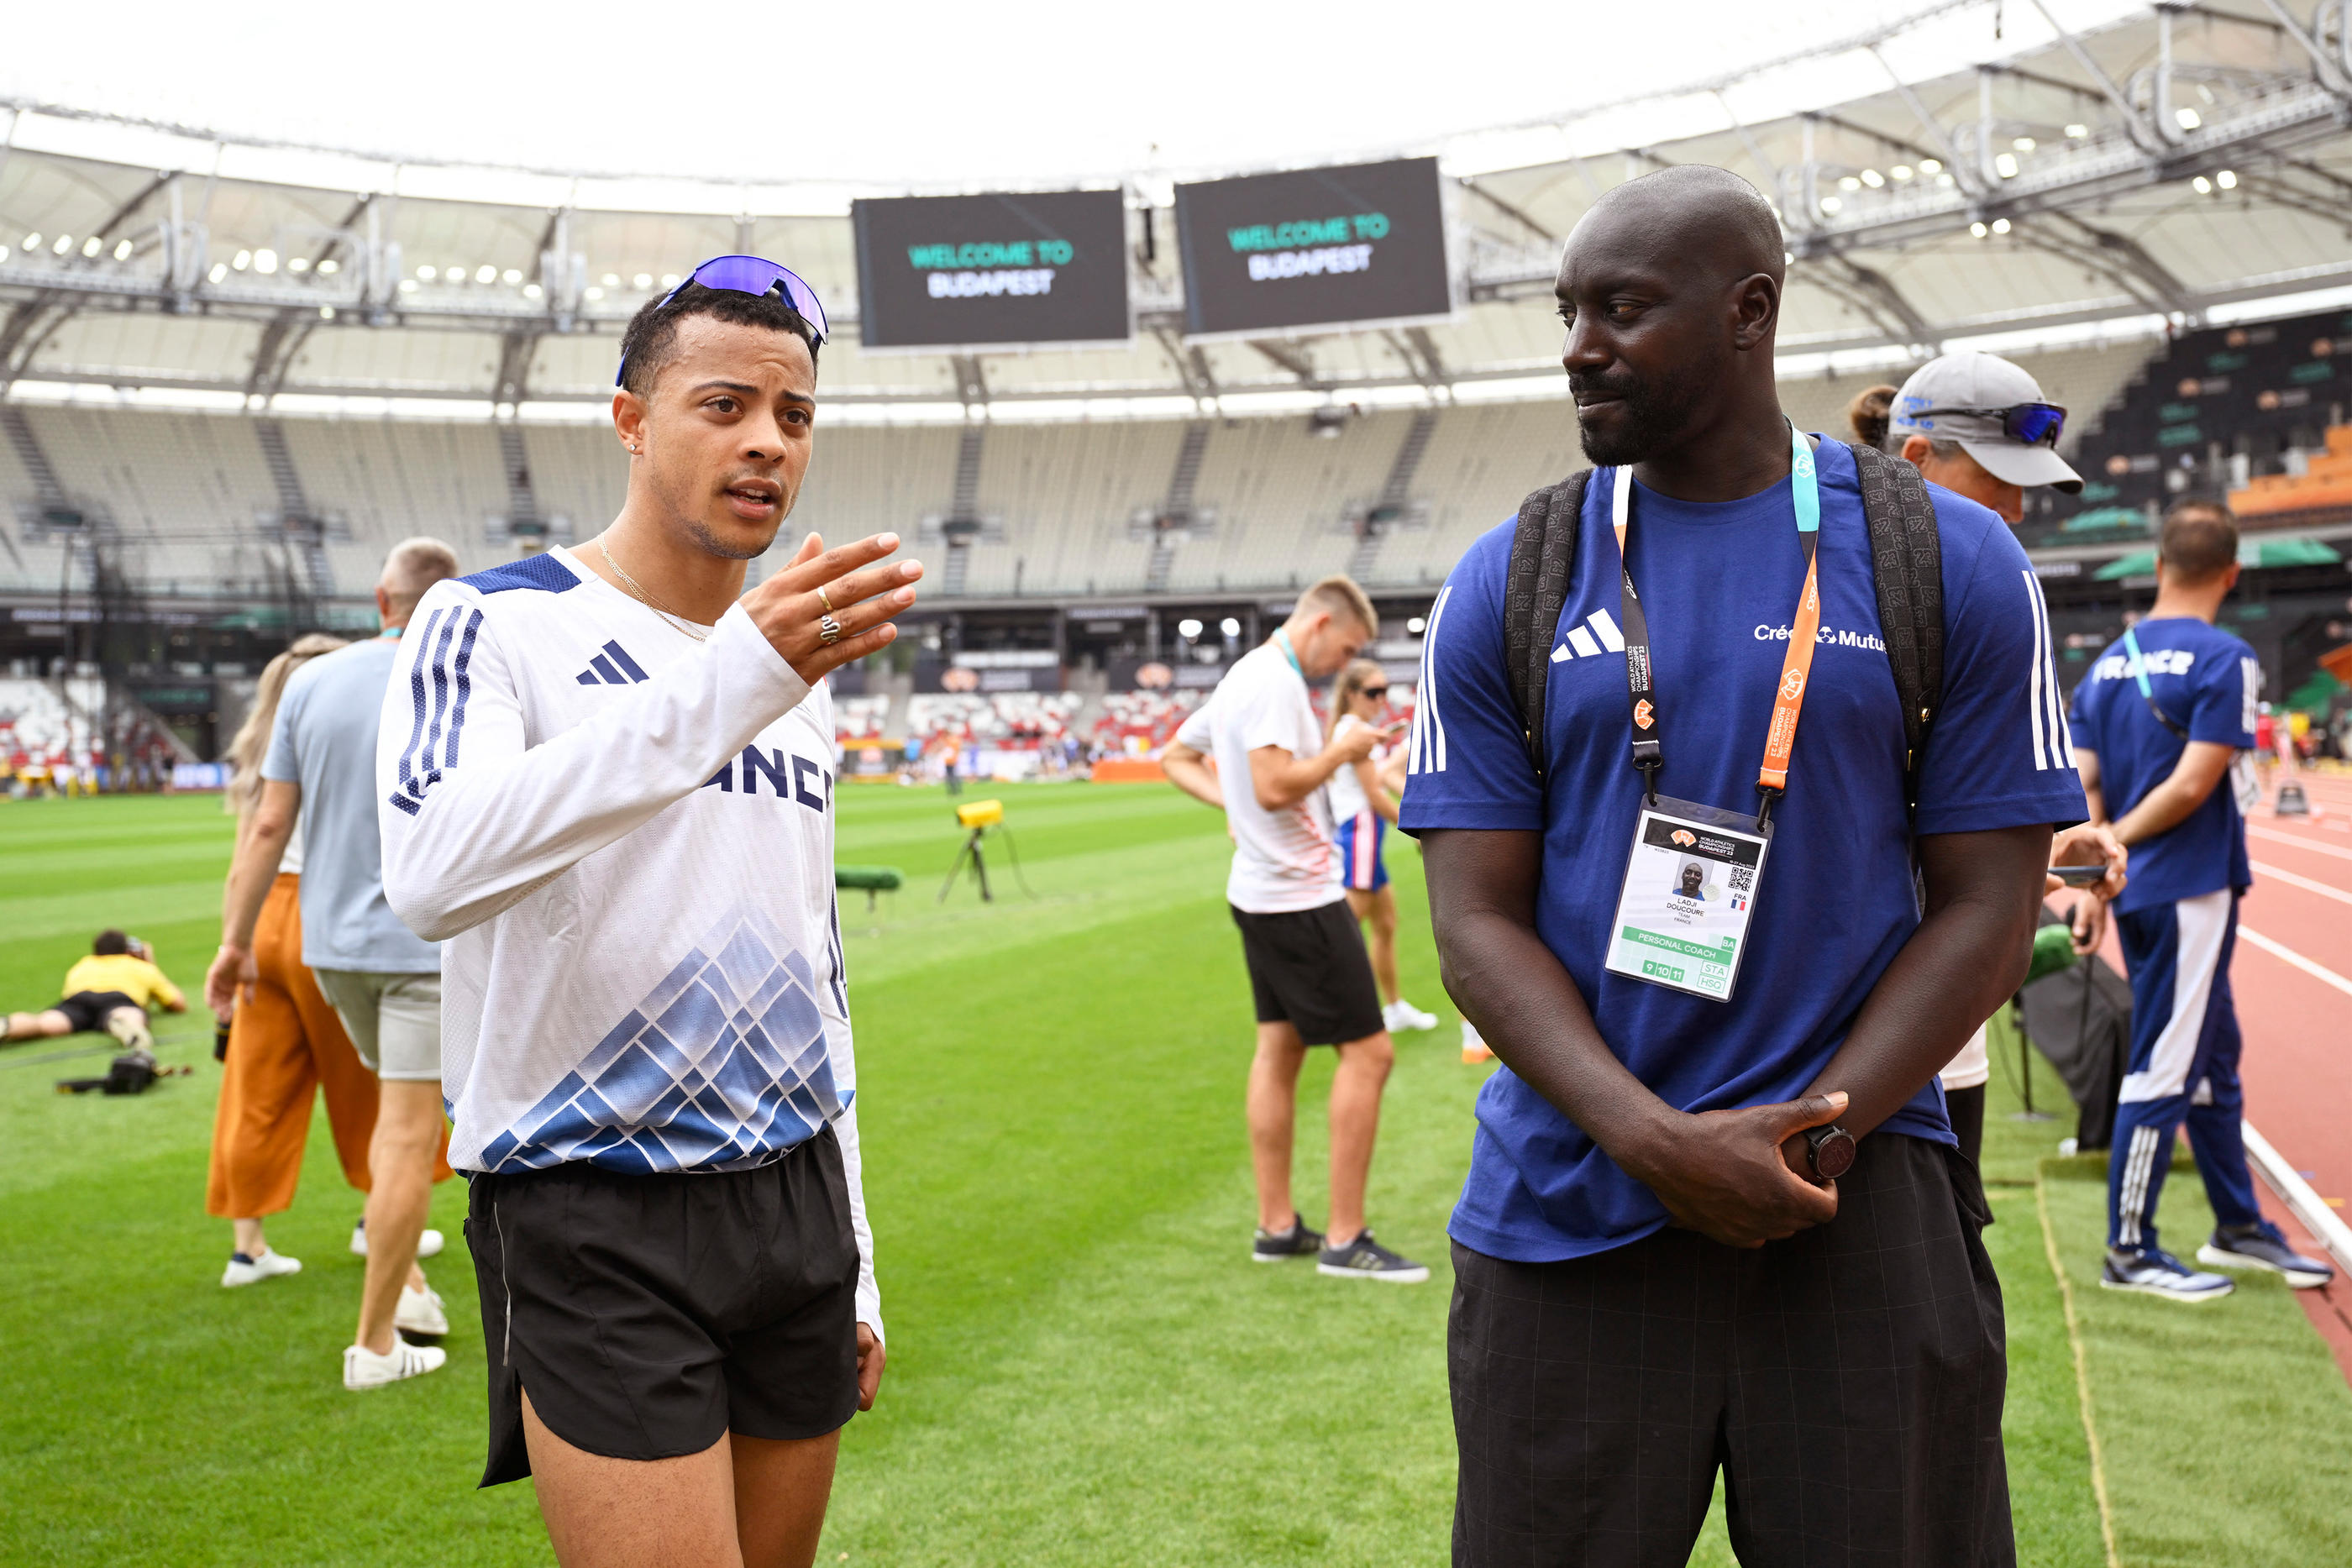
x: 1972, y: 381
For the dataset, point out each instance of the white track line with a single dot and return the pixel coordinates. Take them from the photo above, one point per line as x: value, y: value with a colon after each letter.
x: 2305, y: 882
x: 2323, y: 1222
x: 2281, y: 950
x: 2299, y: 841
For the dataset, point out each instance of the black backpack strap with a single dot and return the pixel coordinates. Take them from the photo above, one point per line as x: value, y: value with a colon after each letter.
x: 1543, y: 560
x: 1907, y: 560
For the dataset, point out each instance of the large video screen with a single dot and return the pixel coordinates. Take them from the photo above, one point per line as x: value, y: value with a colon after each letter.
x: 936, y: 272
x: 1312, y: 247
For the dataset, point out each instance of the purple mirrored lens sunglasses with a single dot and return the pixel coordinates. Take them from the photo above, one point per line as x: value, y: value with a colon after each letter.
x: 752, y: 275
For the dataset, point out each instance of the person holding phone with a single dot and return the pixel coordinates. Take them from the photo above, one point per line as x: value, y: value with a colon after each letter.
x: 1308, y: 972
x: 1364, y: 807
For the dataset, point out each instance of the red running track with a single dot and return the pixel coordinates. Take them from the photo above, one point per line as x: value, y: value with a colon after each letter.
x: 2298, y: 1023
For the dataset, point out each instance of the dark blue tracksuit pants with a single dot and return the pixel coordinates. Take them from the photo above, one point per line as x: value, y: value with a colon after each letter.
x: 2184, y: 1066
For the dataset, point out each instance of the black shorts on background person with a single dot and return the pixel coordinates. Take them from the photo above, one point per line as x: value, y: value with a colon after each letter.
x: 1715, y: 1219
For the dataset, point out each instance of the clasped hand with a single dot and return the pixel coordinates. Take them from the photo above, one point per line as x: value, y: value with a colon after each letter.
x: 1734, y: 1176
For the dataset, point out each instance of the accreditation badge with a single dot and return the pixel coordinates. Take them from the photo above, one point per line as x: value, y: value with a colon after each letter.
x: 1690, y: 889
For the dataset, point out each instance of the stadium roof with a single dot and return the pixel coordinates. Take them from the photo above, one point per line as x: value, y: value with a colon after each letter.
x: 1963, y: 172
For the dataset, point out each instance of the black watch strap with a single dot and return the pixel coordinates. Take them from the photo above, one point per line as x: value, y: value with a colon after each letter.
x: 1830, y: 1150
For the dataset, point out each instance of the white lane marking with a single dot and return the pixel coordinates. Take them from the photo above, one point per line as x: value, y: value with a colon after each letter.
x: 2311, y: 1209
x: 2282, y: 951
x: 2298, y: 840
x: 2305, y: 882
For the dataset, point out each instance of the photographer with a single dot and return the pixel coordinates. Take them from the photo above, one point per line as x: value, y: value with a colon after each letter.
x: 111, y: 991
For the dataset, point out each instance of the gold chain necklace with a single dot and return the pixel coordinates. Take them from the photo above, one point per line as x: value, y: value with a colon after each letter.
x: 699, y: 633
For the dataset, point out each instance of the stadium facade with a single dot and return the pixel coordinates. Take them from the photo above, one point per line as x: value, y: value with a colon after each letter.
x: 232, y: 373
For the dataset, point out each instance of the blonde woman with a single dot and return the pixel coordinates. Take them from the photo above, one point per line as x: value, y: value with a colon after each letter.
x: 284, y: 1041
x: 1363, y: 805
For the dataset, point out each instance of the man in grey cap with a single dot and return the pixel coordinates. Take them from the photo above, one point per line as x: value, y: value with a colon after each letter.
x: 1978, y: 424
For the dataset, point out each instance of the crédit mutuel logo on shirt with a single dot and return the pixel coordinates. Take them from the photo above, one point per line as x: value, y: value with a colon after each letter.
x: 1827, y: 637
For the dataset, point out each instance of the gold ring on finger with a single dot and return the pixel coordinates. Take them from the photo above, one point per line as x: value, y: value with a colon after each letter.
x: 828, y: 630
x: 825, y: 600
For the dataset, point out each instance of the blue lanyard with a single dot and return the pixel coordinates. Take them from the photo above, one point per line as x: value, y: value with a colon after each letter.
x: 2147, y: 693
x: 1281, y: 640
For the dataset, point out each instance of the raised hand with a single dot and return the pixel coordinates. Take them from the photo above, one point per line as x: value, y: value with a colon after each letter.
x: 789, y: 607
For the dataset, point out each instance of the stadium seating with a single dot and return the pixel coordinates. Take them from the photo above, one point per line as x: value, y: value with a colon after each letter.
x: 856, y: 718
x: 1006, y: 720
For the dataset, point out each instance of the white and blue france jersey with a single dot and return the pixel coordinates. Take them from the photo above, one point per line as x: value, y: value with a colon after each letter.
x: 623, y: 839
x: 2208, y: 682
x: 1719, y: 583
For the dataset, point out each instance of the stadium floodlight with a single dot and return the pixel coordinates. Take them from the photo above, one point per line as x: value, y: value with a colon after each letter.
x: 2005, y: 165
x: 510, y: 276
x: 264, y: 261
x: 32, y: 244
x: 1831, y: 205
x: 1900, y: 172
x: 2024, y: 145
x: 326, y: 312
x: 1230, y: 627
x: 2227, y: 179
x: 240, y: 261
x: 1848, y: 182
x: 532, y: 292
x: 642, y: 280
x: 1873, y: 178
x: 486, y: 274
x: 669, y: 280
x: 1930, y: 167
x: 591, y: 295
x: 92, y: 245
x: 4, y: 253
x: 1188, y: 628
x: 330, y: 267
x: 220, y: 271
x: 2202, y: 185
x: 65, y: 243
x: 427, y: 273
x: 612, y: 280
x: 2077, y: 132
x: 1978, y: 230
x: 408, y: 285
x: 2189, y: 117
x: 297, y: 264
x: 1416, y: 626
x: 2000, y: 226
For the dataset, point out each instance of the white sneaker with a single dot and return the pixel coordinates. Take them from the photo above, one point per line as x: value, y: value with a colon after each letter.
x: 363, y: 1369
x: 420, y: 1311
x: 1473, y: 1044
x: 243, y: 1270
x: 428, y: 1242
x: 1401, y: 1015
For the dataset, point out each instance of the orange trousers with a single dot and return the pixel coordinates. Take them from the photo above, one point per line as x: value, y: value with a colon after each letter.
x: 283, y: 1044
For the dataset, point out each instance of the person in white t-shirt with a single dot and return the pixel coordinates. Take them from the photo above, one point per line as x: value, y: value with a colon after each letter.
x: 1363, y: 806
x: 1308, y: 973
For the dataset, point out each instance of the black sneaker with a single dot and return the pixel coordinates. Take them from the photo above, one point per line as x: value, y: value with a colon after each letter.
x: 1279, y: 1246
x: 2261, y: 1246
x: 1365, y: 1259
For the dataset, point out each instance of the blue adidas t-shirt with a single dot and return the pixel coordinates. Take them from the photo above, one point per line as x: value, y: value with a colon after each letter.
x: 2208, y: 683
x: 1720, y: 584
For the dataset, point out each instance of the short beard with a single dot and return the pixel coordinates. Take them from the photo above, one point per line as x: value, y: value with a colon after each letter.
x: 711, y: 544
x: 1651, y: 419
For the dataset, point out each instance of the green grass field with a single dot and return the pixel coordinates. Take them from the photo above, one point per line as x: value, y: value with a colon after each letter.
x: 1085, y: 1367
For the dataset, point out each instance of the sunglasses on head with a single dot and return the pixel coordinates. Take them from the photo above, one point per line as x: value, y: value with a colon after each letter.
x: 755, y: 275
x: 2033, y: 423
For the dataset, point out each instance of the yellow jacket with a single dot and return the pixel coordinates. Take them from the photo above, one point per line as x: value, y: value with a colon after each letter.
x: 136, y: 979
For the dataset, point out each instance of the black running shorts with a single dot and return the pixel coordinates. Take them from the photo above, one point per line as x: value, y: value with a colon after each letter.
x: 1847, y: 1382
x: 1307, y: 967
x: 650, y: 1315
x: 88, y: 1010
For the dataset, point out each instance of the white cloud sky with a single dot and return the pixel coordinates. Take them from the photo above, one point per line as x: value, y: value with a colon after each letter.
x: 912, y: 92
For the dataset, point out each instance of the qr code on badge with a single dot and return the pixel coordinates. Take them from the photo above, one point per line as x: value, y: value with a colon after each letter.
x: 1743, y: 878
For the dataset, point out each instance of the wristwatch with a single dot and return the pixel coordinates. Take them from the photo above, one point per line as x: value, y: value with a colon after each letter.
x: 1830, y: 1150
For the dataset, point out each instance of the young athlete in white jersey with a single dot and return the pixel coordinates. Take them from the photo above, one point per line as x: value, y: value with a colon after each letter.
x: 604, y: 786
x: 1305, y: 959
x: 1363, y: 806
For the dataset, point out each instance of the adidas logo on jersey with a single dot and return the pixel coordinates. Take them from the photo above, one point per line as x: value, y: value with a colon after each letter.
x: 613, y: 668
x: 1598, y: 635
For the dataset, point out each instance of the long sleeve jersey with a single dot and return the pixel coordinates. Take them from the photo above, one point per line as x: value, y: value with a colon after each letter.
x: 623, y: 839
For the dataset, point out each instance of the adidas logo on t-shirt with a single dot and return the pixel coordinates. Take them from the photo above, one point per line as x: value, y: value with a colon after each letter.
x: 613, y: 668
x: 1584, y: 643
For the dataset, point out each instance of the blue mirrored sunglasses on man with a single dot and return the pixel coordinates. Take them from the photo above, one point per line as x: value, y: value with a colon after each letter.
x: 755, y: 275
